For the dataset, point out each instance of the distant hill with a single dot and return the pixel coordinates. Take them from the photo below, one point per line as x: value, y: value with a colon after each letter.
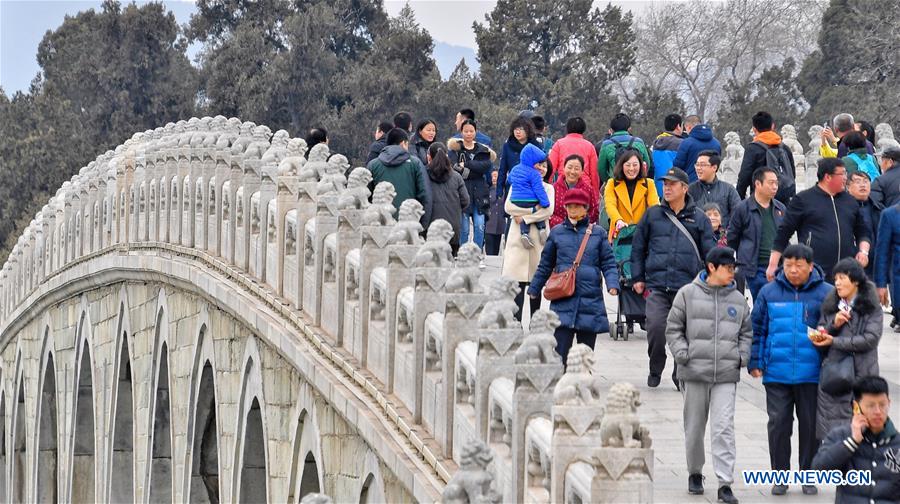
x: 447, y: 57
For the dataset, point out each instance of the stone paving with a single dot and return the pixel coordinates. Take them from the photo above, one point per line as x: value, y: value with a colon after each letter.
x: 662, y: 413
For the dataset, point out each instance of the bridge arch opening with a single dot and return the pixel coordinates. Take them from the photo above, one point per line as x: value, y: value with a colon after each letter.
x: 47, y: 489
x: 19, y: 446
x: 309, y: 482
x: 205, y: 450
x: 83, y: 452
x: 122, y: 479
x: 253, y: 465
x: 160, y: 487
x: 3, y: 451
x: 367, y: 494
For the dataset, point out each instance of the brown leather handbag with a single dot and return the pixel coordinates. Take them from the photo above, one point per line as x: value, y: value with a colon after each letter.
x: 561, y: 284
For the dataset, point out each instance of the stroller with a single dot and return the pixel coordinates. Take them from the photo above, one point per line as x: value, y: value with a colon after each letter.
x: 631, y: 305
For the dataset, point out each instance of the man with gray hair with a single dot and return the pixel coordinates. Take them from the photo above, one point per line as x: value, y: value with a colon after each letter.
x: 886, y: 188
x: 832, y: 146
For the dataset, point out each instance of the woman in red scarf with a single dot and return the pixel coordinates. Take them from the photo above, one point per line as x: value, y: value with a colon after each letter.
x: 572, y: 171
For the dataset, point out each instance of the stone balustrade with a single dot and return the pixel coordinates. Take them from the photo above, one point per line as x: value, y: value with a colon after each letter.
x: 432, y: 338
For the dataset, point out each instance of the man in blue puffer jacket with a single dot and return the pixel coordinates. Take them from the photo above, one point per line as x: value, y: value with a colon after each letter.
x: 700, y: 139
x: 786, y: 359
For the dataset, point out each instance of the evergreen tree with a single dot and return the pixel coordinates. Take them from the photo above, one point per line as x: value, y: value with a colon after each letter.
x: 856, y: 67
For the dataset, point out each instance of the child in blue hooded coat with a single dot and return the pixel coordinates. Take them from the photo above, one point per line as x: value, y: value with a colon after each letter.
x: 527, y: 188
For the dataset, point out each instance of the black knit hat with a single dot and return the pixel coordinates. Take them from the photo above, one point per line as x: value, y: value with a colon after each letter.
x: 720, y: 256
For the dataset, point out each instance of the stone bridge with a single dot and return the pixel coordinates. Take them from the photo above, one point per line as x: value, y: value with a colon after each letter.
x: 210, y: 313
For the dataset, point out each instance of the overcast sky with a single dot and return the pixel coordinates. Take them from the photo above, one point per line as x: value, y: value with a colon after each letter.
x: 23, y: 24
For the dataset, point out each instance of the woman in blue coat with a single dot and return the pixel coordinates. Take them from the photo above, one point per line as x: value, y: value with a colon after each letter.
x: 582, y: 315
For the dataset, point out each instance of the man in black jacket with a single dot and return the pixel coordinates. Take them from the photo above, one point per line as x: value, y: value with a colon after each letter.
x: 826, y: 218
x: 380, y: 140
x: 767, y: 143
x: 886, y: 188
x: 860, y: 187
x: 665, y: 257
x: 751, y: 231
x: 870, y: 443
x: 709, y: 189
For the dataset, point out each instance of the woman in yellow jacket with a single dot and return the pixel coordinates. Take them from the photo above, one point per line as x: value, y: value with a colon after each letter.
x: 628, y: 195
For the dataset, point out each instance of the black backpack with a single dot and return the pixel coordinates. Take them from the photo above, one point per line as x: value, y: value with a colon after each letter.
x: 621, y: 148
x: 777, y: 159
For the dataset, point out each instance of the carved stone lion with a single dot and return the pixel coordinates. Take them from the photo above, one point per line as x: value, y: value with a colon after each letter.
x: 621, y: 427
x: 408, y: 228
x: 316, y: 165
x: 472, y: 482
x: 500, y: 311
x: 381, y: 211
x: 332, y: 181
x: 578, y: 385
x: 293, y: 161
x: 357, y: 193
x: 464, y: 279
x: 539, y: 347
x: 436, y: 252
x: 316, y: 498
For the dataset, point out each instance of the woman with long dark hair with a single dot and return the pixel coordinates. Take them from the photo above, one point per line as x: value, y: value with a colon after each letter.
x: 473, y: 160
x: 426, y: 132
x: 448, y: 190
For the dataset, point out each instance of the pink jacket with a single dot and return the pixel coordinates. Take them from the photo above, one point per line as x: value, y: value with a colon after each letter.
x: 574, y: 143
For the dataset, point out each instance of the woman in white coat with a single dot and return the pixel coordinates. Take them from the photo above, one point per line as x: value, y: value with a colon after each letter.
x: 520, y: 263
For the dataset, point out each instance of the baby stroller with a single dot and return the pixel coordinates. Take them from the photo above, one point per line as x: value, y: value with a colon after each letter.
x: 631, y: 305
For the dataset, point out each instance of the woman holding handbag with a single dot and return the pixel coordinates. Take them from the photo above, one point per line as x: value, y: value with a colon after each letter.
x: 850, y: 328
x: 573, y: 260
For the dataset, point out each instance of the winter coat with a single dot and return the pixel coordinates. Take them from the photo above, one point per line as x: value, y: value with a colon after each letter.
x: 781, y: 315
x: 661, y: 255
x: 477, y: 166
x: 700, y: 139
x: 560, y: 187
x: 861, y: 160
x: 841, y: 150
x: 859, y: 337
x: 886, y: 188
x: 744, y: 230
x: 450, y: 198
x: 832, y: 226
x: 376, y: 148
x: 630, y: 210
x: 887, y: 249
x: 525, y: 181
x: 418, y: 148
x: 878, y: 453
x: 520, y: 263
x: 509, y: 157
x: 663, y: 152
x: 755, y: 157
x: 584, y: 310
x: 396, y: 166
x: 573, y: 143
x: 719, y: 192
x: 871, y: 213
x: 708, y: 332
x: 496, y: 220
x: 606, y: 159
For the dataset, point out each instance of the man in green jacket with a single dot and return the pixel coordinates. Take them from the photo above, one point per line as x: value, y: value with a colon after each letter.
x: 620, y: 138
x: 396, y: 166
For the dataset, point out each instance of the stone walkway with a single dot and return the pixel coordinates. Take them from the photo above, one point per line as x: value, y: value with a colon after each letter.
x: 662, y: 413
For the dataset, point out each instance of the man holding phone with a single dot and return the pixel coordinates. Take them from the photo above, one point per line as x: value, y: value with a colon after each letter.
x: 869, y: 443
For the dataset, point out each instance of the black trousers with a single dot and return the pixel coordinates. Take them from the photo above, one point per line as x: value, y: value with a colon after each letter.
x: 534, y: 304
x: 658, y: 305
x: 566, y: 335
x: 781, y: 401
x: 492, y: 244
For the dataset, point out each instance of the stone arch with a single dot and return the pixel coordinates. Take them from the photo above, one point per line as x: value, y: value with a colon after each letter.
x: 159, y: 478
x: 202, y: 467
x: 306, y: 464
x: 45, y: 464
x: 19, y: 445
x: 251, y: 450
x: 372, y: 489
x: 82, y: 444
x: 120, y: 450
x: 4, y: 451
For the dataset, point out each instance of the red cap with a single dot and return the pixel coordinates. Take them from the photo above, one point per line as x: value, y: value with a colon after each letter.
x: 577, y: 195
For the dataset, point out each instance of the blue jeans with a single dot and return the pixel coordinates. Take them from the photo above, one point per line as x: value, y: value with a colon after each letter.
x: 478, y: 218
x: 756, y: 282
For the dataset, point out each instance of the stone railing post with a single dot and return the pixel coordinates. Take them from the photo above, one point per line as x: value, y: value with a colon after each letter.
x: 538, y: 368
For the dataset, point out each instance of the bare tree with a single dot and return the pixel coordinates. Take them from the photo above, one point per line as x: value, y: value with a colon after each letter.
x: 694, y: 48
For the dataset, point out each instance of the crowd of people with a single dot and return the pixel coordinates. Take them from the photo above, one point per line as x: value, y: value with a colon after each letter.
x: 652, y: 224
